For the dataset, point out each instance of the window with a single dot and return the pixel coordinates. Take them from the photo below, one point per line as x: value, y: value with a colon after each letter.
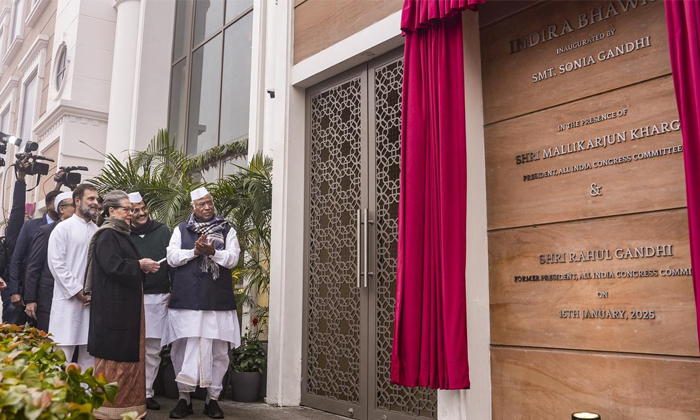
x: 5, y: 121
x: 2, y: 41
x: 28, y: 107
x: 17, y: 17
x: 210, y: 73
x: 61, y: 66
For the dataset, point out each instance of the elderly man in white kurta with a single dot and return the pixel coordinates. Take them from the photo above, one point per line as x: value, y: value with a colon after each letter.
x: 67, y: 258
x: 202, y: 320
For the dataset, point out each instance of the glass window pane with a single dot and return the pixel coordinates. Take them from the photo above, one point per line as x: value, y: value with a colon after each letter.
x: 208, y: 18
x: 205, y: 89
x: 178, y: 89
x: 236, y: 7
x: 61, y: 68
x: 183, y: 21
x: 210, y: 175
x: 28, y: 109
x: 233, y: 166
x: 5, y: 121
x: 235, y: 102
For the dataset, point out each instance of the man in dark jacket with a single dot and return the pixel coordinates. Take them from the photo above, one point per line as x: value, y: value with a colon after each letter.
x: 15, y: 284
x: 38, y: 284
x: 10, y: 313
x: 151, y: 239
x: 202, y: 320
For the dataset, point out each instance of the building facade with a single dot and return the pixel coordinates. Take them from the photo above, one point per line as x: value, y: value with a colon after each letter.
x: 317, y: 85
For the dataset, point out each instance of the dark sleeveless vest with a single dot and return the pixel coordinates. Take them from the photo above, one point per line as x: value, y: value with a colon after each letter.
x: 193, y: 289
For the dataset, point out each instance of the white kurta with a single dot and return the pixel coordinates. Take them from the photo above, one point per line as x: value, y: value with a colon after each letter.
x: 217, y: 325
x: 156, y: 309
x: 67, y: 259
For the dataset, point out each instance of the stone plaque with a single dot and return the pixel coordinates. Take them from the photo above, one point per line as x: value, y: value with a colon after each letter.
x: 552, y: 384
x: 551, y: 55
x: 541, y: 167
x: 618, y: 284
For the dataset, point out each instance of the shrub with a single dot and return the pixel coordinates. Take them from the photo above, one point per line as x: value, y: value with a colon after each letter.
x: 36, y: 384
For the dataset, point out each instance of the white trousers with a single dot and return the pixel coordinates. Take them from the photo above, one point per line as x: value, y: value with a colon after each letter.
x: 85, y: 360
x: 152, y: 363
x: 200, y: 362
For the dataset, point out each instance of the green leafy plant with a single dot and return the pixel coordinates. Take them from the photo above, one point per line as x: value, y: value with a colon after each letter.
x: 245, y: 197
x: 165, y: 175
x: 36, y: 383
x: 250, y: 356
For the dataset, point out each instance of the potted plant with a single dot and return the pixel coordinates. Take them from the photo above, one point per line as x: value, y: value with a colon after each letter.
x: 247, y: 366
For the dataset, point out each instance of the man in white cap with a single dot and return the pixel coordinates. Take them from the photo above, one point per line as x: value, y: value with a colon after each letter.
x: 38, y: 291
x: 67, y: 259
x: 202, y: 320
x: 151, y: 240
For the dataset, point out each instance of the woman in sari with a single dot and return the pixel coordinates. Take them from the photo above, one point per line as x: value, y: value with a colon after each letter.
x: 114, y: 279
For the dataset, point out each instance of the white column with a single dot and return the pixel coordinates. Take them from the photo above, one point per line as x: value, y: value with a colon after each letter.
x: 286, y: 137
x: 124, y: 70
x: 150, y: 110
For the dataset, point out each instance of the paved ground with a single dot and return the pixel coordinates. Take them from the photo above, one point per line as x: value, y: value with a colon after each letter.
x: 235, y: 410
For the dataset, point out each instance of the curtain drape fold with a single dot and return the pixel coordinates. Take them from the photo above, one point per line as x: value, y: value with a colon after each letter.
x: 430, y: 330
x: 683, y: 24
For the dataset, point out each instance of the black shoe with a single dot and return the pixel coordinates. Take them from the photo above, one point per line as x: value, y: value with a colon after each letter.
x: 152, y: 404
x: 181, y: 410
x: 213, y: 410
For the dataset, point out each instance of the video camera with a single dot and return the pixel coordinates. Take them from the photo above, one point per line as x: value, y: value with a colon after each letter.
x: 66, y: 176
x: 27, y: 156
x: 34, y: 168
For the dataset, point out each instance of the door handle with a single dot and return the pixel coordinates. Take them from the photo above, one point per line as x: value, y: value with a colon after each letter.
x: 359, y: 222
x: 366, y: 222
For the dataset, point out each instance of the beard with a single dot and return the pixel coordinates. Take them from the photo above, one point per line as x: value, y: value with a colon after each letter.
x: 88, y: 210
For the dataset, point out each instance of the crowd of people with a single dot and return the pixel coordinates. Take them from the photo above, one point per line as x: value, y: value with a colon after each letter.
x: 113, y: 286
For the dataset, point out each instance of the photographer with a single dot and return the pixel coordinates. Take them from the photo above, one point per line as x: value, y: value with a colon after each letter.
x: 15, y: 285
x: 10, y: 313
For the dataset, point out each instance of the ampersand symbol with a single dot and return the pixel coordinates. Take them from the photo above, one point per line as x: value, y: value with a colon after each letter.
x: 596, y: 190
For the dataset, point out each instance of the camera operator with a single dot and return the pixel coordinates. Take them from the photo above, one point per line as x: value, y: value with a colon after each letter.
x: 18, y: 264
x: 10, y: 313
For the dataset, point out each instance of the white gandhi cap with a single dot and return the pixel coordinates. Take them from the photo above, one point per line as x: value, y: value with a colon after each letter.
x: 135, y: 197
x: 62, y: 196
x: 198, y: 193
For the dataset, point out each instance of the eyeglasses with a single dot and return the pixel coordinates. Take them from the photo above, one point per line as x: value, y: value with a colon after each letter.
x: 203, y: 204
x: 137, y: 211
x: 67, y: 205
x: 128, y: 209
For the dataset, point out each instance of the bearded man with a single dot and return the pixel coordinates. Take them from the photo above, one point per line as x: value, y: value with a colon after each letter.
x: 67, y: 259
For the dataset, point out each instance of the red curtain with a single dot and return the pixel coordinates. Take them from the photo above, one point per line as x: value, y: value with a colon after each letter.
x: 683, y: 23
x: 430, y: 330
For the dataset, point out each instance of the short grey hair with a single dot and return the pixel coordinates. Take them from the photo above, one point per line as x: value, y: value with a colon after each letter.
x: 113, y: 199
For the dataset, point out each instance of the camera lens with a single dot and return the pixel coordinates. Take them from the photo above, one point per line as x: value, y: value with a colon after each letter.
x: 31, y: 146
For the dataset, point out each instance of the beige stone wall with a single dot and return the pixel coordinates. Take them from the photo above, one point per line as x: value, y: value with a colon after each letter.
x: 42, y: 21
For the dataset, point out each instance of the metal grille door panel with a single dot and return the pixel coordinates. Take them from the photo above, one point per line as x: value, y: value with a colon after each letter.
x: 386, y: 112
x: 334, y: 301
x: 354, y: 157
